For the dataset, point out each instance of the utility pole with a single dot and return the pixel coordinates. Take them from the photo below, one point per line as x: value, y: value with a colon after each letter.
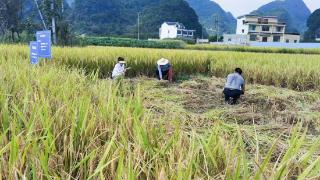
x: 138, y: 25
x: 40, y: 14
x: 202, y: 32
x: 54, y: 34
x: 216, y: 23
x: 62, y: 7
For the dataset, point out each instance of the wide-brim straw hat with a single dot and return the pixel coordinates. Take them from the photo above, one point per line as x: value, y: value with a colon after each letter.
x: 162, y: 61
x: 122, y: 62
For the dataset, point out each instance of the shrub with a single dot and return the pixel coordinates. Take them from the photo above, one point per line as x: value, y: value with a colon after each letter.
x: 127, y: 42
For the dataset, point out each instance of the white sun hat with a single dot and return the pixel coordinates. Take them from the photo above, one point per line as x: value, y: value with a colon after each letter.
x: 162, y: 61
x: 122, y: 62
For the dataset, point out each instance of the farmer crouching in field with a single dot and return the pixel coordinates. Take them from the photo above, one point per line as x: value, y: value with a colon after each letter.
x: 164, y: 70
x: 119, y: 69
x: 235, y: 87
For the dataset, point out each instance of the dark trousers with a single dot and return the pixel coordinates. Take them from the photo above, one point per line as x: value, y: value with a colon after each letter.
x: 231, y: 95
x: 165, y: 75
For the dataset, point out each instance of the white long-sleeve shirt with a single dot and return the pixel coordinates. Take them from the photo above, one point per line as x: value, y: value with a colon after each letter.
x: 118, y: 70
x: 160, y: 72
x: 234, y: 81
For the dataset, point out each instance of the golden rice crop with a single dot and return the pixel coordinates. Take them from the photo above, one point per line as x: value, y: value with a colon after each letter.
x: 295, y: 71
x: 62, y: 123
x: 212, y: 47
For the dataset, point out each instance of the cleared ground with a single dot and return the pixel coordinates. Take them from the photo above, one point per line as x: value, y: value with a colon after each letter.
x: 202, y: 98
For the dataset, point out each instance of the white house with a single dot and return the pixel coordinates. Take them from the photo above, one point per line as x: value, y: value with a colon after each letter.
x: 172, y: 30
x: 252, y: 28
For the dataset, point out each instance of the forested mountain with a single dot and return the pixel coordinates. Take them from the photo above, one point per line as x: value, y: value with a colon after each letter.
x: 119, y: 17
x: 313, y: 24
x: 208, y: 11
x: 293, y: 12
x: 95, y: 17
x: 70, y: 2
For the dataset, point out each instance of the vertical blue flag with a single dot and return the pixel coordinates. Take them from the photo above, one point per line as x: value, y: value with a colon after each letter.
x: 44, y: 41
x: 34, y: 52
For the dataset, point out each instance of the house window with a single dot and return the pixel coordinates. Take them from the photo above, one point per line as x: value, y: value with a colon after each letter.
x: 242, y: 31
x: 252, y: 27
x: 279, y: 29
x: 265, y: 21
x: 253, y: 37
x: 287, y: 40
x: 179, y: 32
x: 264, y: 39
x: 243, y: 22
x: 229, y: 39
x: 266, y: 28
x: 295, y: 41
x: 276, y: 38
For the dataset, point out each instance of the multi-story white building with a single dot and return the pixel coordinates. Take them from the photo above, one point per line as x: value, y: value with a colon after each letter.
x: 252, y: 28
x: 172, y: 30
x: 262, y: 29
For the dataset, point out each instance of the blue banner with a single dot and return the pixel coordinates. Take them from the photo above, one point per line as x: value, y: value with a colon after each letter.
x: 44, y: 40
x: 34, y: 52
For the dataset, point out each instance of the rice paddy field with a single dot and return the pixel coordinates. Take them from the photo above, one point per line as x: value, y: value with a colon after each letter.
x: 64, y: 119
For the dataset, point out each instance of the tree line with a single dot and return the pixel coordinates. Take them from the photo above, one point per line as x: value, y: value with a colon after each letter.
x: 20, y: 19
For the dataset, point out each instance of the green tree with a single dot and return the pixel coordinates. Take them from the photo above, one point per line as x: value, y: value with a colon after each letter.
x: 10, y: 18
x: 119, y: 17
x: 313, y: 24
x: 172, y: 11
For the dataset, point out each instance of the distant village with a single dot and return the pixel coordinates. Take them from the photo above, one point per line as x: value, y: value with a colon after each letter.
x: 251, y: 30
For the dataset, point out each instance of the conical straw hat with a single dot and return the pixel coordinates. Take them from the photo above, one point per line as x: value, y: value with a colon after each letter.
x: 162, y: 61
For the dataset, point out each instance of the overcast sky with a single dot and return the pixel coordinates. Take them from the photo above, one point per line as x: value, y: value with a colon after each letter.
x: 241, y: 7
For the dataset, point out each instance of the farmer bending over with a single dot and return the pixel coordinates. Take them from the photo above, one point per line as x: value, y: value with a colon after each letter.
x: 119, y: 69
x: 164, y: 70
x: 235, y: 87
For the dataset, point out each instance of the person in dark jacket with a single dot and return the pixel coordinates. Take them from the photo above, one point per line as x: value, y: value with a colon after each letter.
x: 164, y: 70
x: 234, y: 87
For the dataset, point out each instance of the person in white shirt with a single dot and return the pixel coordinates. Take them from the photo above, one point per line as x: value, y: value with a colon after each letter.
x: 119, y: 69
x: 234, y: 87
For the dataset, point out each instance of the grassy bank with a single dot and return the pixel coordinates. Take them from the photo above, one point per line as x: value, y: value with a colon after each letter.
x: 180, y: 44
x: 128, y: 42
x: 208, y: 47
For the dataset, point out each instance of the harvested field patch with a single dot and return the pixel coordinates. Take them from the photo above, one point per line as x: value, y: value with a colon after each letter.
x: 261, y: 105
